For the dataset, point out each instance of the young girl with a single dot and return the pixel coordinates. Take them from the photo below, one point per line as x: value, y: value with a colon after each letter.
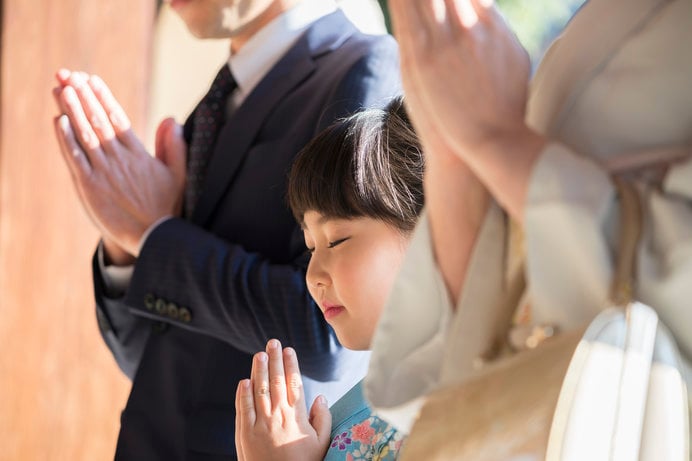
x: 357, y: 190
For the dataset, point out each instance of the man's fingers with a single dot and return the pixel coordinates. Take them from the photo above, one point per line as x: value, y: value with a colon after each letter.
x: 171, y: 149
x: 81, y: 126
x: 277, y: 378
x: 117, y: 116
x: 73, y: 154
x: 94, y: 111
x: 57, y: 92
x: 260, y: 385
x: 62, y: 76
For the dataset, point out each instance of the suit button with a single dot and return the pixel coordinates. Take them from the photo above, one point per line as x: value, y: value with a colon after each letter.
x: 172, y: 311
x: 160, y: 306
x: 149, y: 301
x: 185, y: 315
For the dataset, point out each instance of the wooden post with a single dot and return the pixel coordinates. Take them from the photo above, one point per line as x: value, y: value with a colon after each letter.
x: 60, y: 390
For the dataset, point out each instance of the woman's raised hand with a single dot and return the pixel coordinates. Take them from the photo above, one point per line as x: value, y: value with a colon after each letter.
x: 462, y: 67
x: 271, y: 416
x: 466, y: 79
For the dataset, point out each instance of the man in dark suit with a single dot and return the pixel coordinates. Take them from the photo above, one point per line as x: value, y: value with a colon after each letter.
x: 184, y: 302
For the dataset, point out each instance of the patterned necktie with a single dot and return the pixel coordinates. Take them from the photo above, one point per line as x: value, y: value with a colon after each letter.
x: 209, y: 116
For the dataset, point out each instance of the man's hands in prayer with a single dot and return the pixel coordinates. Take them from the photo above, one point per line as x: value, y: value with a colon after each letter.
x: 272, y: 421
x: 123, y: 189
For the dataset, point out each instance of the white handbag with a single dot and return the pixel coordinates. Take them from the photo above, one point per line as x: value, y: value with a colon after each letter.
x: 623, y: 396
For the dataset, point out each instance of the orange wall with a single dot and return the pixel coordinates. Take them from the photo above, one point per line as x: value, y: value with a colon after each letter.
x: 60, y: 391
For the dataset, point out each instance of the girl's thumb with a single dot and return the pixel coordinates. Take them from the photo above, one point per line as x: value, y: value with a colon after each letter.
x: 321, y: 419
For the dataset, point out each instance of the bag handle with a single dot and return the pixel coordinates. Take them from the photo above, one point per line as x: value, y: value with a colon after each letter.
x: 622, y: 286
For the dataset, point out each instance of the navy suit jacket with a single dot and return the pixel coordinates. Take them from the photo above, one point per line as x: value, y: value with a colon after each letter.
x: 206, y: 294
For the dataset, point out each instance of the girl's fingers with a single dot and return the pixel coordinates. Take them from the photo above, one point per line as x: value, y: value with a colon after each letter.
x: 260, y: 385
x: 277, y: 378
x: 244, y: 414
x: 294, y: 382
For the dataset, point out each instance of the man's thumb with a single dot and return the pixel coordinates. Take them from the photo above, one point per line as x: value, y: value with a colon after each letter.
x: 171, y: 148
x: 321, y: 419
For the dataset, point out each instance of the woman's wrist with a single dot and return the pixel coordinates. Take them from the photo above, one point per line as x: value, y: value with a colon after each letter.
x: 504, y: 164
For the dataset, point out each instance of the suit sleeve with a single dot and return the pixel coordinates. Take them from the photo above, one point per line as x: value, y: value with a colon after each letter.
x: 187, y: 276
x: 125, y: 334
x: 371, y: 82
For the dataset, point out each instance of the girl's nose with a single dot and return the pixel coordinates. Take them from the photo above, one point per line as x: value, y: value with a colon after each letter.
x: 316, y: 275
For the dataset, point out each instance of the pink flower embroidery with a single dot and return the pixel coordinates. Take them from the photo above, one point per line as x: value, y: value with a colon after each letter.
x: 362, y: 432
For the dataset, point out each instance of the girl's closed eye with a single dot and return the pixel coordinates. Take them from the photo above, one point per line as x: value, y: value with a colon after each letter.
x: 337, y: 242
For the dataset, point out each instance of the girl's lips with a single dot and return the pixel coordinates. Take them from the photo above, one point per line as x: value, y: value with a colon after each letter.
x: 175, y: 4
x: 332, y: 311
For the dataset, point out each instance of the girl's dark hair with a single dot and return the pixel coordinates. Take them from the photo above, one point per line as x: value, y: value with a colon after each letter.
x: 367, y: 165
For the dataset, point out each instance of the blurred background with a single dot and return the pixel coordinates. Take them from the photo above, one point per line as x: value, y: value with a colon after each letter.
x: 61, y: 392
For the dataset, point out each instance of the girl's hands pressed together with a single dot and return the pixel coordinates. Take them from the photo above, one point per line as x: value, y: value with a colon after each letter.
x: 272, y: 421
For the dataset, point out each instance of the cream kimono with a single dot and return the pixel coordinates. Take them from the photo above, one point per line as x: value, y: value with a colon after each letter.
x: 616, y: 83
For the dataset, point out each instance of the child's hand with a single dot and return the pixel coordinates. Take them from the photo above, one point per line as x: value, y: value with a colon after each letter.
x: 271, y: 415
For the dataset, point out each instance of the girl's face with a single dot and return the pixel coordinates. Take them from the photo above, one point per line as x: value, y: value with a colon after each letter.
x: 352, y: 268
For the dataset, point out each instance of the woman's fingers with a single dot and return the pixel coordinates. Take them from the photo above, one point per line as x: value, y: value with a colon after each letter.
x: 277, y: 378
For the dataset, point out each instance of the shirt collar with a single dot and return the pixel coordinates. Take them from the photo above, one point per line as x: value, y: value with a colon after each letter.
x: 259, y: 54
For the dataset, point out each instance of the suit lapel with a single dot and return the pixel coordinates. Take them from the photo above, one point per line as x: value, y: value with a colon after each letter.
x: 580, y: 53
x: 237, y: 136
